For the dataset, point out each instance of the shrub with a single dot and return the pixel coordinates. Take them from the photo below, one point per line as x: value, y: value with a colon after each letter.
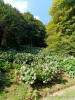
x: 39, y: 70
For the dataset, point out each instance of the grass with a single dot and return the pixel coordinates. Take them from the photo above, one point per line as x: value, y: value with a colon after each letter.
x: 63, y: 83
x: 14, y: 92
x: 67, y: 95
x: 26, y: 92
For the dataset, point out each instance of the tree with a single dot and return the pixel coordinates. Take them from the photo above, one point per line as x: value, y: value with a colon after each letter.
x: 67, y: 3
x: 11, y: 25
x: 60, y: 30
x: 19, y: 29
x: 1, y: 22
x: 35, y: 31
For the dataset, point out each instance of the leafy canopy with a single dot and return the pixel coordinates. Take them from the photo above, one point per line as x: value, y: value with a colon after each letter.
x: 61, y: 29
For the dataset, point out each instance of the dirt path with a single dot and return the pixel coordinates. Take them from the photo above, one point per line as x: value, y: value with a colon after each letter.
x: 59, y: 93
x: 62, y: 91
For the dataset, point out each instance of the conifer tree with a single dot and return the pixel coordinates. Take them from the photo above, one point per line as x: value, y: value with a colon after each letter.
x: 61, y: 29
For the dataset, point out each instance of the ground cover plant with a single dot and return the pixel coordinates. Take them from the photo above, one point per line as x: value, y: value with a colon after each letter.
x: 18, y: 92
x: 42, y: 66
x: 34, y: 68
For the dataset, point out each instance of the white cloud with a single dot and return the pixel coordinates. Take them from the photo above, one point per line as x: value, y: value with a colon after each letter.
x: 37, y: 17
x: 21, y: 5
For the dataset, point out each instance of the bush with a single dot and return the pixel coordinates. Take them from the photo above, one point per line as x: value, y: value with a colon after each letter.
x: 46, y: 67
x: 6, y: 59
x: 4, y: 66
x: 41, y: 69
x: 43, y: 66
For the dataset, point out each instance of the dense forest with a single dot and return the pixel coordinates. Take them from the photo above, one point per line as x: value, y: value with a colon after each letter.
x: 23, y: 29
x: 20, y: 29
x: 36, y: 59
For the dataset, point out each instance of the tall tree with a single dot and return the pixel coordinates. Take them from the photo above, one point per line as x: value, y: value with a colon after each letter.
x: 11, y: 25
x: 35, y: 31
x: 60, y: 30
x: 1, y: 22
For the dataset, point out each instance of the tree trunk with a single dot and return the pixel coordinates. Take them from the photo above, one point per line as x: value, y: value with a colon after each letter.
x: 1, y: 35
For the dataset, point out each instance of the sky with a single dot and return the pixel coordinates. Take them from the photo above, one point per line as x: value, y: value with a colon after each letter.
x: 39, y: 8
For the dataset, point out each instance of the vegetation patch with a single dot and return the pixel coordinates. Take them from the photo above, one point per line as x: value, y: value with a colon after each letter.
x: 30, y: 73
x: 44, y: 72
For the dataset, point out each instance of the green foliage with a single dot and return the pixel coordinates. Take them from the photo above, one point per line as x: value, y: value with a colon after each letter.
x: 14, y: 59
x: 19, y: 29
x: 47, y: 67
x: 6, y: 59
x: 30, y: 49
x: 19, y: 92
x: 35, y: 31
x: 4, y: 65
x: 67, y: 3
x: 41, y: 67
x: 60, y: 30
x: 11, y: 21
